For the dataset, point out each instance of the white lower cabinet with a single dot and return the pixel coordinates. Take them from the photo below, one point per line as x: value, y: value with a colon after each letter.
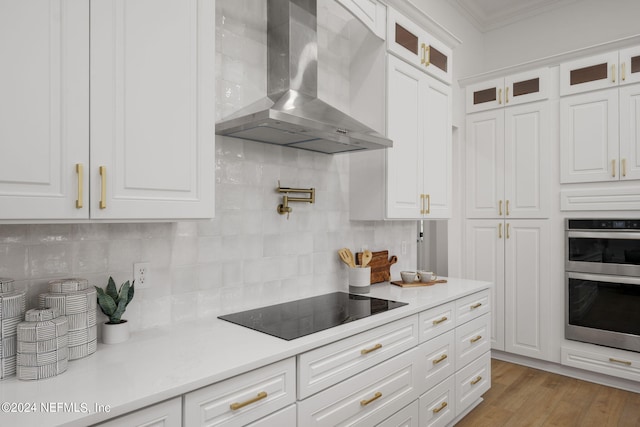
x: 604, y: 360
x: 164, y: 414
x: 472, y: 381
x: 473, y: 339
x: 438, y: 405
x: 243, y: 399
x: 367, y: 398
x: 439, y: 355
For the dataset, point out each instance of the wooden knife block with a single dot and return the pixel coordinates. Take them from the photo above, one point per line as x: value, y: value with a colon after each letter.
x: 380, y: 265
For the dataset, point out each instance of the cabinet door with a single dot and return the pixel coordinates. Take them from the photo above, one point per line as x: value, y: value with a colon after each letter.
x: 589, y: 137
x: 587, y: 74
x: 485, y: 261
x: 44, y: 109
x: 526, y: 87
x: 438, y: 60
x: 405, y: 39
x: 152, y: 108
x: 371, y: 13
x: 404, y: 127
x: 165, y: 414
x: 485, y: 164
x: 527, y: 161
x: 630, y: 65
x: 630, y: 132
x: 485, y: 96
x: 436, y: 170
x: 527, y: 288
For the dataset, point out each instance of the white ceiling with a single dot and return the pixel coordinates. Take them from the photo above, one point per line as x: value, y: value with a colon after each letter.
x: 488, y: 15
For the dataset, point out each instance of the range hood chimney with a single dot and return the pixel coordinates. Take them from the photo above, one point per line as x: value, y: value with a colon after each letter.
x: 292, y: 115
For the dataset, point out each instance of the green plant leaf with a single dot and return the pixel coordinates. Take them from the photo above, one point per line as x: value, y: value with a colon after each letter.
x: 111, y: 289
x: 122, y: 303
x: 131, y: 292
x: 106, y: 303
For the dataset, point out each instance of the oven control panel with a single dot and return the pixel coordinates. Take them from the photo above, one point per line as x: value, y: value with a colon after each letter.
x: 603, y: 224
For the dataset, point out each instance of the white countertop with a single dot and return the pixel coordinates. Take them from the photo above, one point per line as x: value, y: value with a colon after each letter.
x: 161, y: 363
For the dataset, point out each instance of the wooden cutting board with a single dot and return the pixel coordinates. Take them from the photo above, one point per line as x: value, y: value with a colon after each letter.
x: 380, y: 265
x: 416, y: 284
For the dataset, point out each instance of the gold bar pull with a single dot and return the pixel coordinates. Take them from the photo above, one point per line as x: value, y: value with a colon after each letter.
x: 500, y: 231
x: 238, y: 405
x: 624, y: 167
x: 506, y: 95
x: 440, y: 359
x: 507, y: 207
x: 623, y: 70
x: 369, y: 350
x: 103, y: 187
x: 428, y: 198
x: 79, y: 172
x: 427, y: 61
x: 508, y: 233
x: 440, y: 320
x: 476, y: 380
x: 376, y: 396
x: 476, y: 305
x: 423, y: 54
x: 440, y: 408
x: 613, y: 168
x: 499, y: 207
x: 475, y: 339
x: 624, y: 362
x: 613, y: 73
x: 500, y: 96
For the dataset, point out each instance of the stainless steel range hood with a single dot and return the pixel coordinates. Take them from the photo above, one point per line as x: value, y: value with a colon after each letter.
x: 292, y: 115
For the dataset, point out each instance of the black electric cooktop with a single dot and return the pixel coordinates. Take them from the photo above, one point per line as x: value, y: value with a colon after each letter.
x: 295, y: 319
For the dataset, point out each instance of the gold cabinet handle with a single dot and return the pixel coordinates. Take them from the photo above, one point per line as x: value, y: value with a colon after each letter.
x: 506, y: 95
x: 613, y: 168
x: 427, y: 61
x: 80, y: 173
x: 508, y: 233
x: 476, y: 305
x: 376, y: 396
x: 428, y: 198
x: 500, y: 96
x: 624, y: 362
x: 423, y: 53
x: 613, y: 73
x: 476, y: 380
x: 238, y: 405
x: 624, y: 167
x: 623, y: 71
x: 103, y: 187
x: 499, y: 207
x: 369, y: 350
x: 500, y: 231
x: 440, y: 359
x: 475, y: 339
x: 507, y: 207
x: 440, y: 408
x: 440, y: 320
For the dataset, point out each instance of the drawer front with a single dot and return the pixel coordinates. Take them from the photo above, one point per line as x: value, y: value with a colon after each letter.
x: 282, y: 418
x: 439, y: 355
x: 438, y: 405
x: 366, y: 399
x: 472, y: 381
x: 242, y: 399
x: 325, y: 366
x: 409, y: 416
x: 165, y: 414
x: 609, y: 361
x: 472, y: 340
x: 437, y: 320
x: 472, y: 306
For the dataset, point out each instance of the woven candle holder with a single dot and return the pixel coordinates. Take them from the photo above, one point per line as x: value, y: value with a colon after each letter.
x: 75, y: 300
x: 43, y: 349
x: 12, y: 309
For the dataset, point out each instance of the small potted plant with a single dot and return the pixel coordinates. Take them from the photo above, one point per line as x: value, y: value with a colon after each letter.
x: 113, y: 303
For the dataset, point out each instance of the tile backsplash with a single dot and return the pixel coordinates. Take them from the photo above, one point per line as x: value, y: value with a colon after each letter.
x: 249, y: 254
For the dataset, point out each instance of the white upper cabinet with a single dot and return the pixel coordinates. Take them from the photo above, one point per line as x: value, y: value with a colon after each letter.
x: 515, y: 89
x: 109, y: 112
x: 44, y: 114
x: 600, y: 71
x: 416, y: 46
x: 371, y: 13
x: 508, y: 158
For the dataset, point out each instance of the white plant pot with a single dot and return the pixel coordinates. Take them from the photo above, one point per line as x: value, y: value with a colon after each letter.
x: 115, y: 333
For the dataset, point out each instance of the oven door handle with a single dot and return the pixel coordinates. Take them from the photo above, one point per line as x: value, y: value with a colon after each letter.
x: 628, y: 280
x: 604, y: 235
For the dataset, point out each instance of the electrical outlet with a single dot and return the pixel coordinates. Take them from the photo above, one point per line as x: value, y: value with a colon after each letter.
x: 403, y: 248
x: 141, y: 274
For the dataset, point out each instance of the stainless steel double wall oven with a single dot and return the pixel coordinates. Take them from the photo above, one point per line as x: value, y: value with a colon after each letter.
x: 602, y: 271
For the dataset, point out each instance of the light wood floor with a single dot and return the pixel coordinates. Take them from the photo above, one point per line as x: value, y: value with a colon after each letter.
x: 522, y: 396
